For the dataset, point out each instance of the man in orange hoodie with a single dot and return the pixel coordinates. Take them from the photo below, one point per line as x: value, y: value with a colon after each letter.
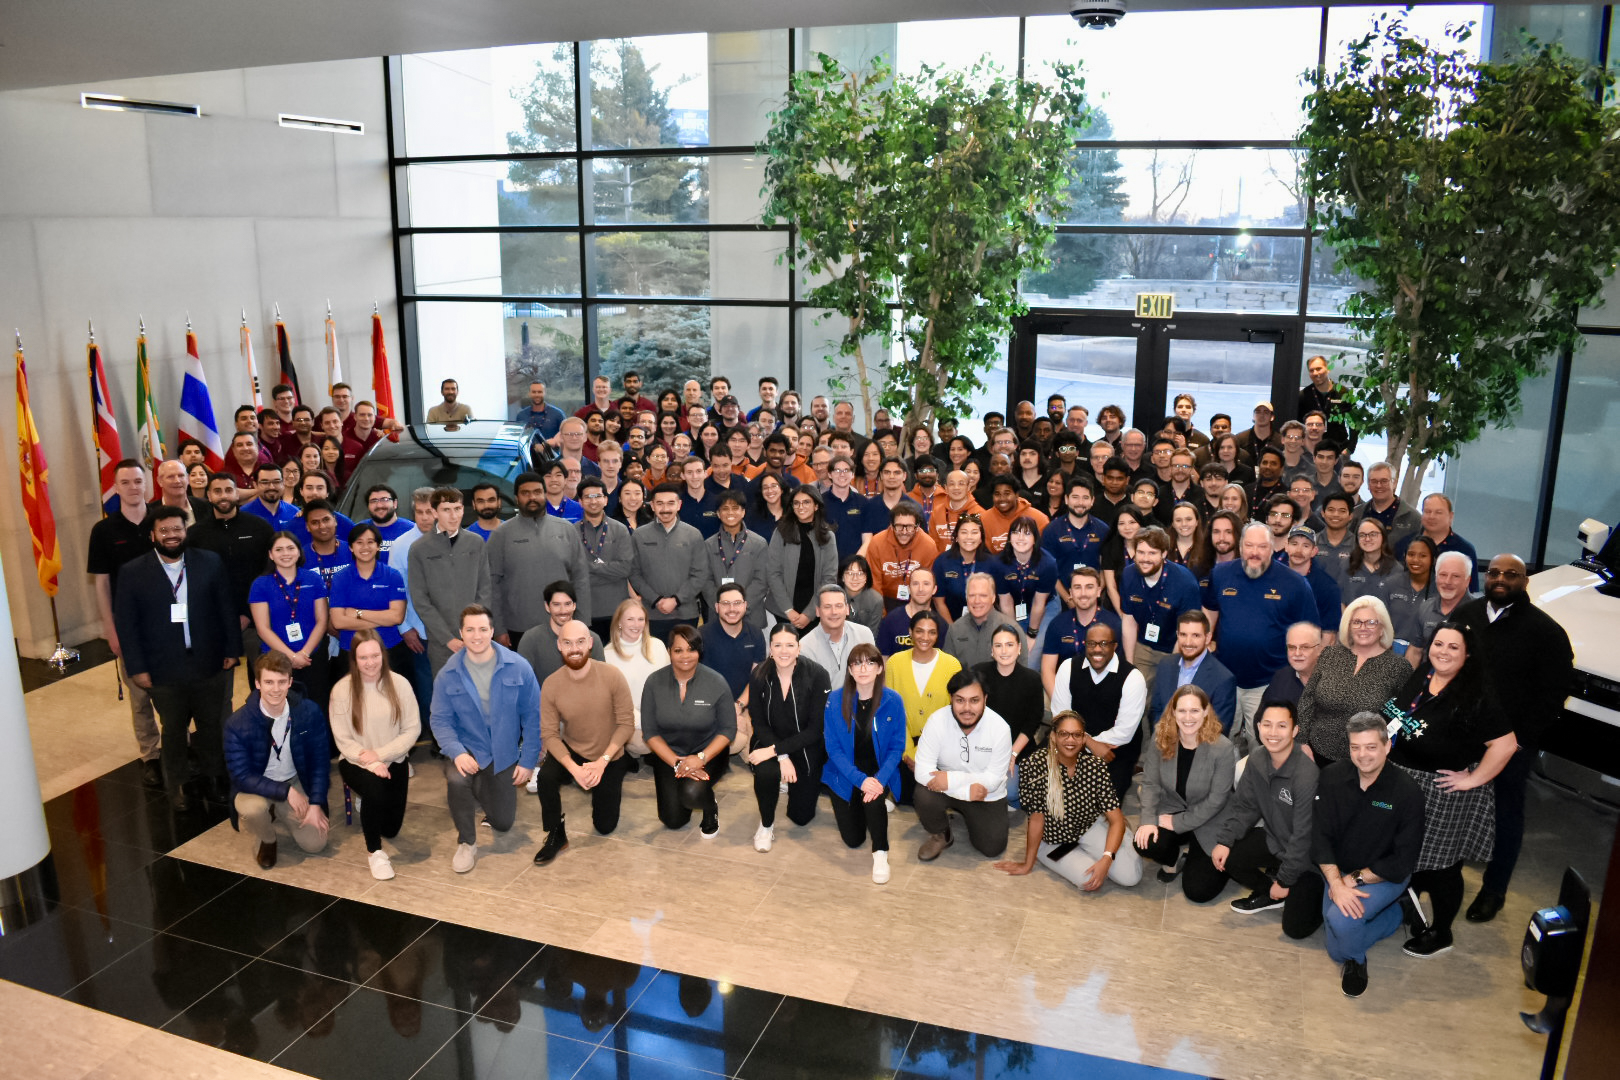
x: 898, y: 550
x: 949, y: 506
x: 1006, y: 507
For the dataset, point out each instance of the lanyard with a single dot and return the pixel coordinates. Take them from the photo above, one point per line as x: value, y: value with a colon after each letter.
x: 601, y: 532
x: 720, y: 546
x: 175, y: 585
x: 290, y: 601
x: 1026, y: 575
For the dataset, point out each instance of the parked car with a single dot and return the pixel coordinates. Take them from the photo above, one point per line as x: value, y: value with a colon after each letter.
x: 441, y: 455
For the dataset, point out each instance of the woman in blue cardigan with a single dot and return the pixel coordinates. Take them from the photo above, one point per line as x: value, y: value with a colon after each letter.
x: 865, y: 734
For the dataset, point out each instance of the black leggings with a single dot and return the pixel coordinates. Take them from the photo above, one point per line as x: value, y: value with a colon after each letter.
x: 677, y: 798
x: 801, y: 794
x: 1445, y: 889
x: 605, y: 796
x: 1200, y: 881
x: 1251, y: 864
x: 857, y: 819
x: 382, y: 802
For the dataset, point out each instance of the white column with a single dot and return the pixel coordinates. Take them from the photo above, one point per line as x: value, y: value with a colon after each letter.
x: 24, y: 840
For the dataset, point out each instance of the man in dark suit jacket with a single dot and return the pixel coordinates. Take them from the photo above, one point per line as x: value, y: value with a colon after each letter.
x: 1209, y: 674
x: 180, y: 635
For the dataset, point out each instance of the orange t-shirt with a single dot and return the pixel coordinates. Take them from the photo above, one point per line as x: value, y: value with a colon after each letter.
x: 996, y: 523
x: 892, y: 565
x: 942, y: 519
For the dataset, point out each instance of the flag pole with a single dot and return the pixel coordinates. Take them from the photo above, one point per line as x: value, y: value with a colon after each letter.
x: 63, y: 656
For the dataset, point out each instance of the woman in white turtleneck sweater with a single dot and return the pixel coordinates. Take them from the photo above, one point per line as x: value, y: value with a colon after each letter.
x: 637, y: 654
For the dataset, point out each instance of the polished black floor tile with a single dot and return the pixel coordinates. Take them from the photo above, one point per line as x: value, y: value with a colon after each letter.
x: 95, y: 807
x: 86, y: 865
x: 457, y: 967
x: 161, y: 893
x: 937, y: 1053
x: 260, y: 1010
x: 157, y: 980
x: 610, y: 1064
x: 491, y: 1050
x: 65, y: 948
x: 574, y: 994
x: 806, y: 1039
x: 257, y: 914
x: 156, y: 827
x: 349, y: 940
x: 694, y: 1022
x: 374, y: 1035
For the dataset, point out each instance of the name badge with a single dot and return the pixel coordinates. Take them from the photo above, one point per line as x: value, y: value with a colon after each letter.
x: 1151, y: 634
x: 902, y: 592
x: 177, y: 613
x: 727, y: 580
x: 295, y: 633
x: 1021, y: 612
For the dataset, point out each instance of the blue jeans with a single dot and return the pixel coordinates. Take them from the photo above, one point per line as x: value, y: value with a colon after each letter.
x: 1349, y: 939
x: 1037, y: 643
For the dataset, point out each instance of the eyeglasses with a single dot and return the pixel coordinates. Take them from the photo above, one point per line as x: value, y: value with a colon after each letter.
x: 594, y: 495
x: 964, y: 748
x: 865, y: 662
x: 1493, y: 573
x: 1276, y: 514
x: 1366, y: 624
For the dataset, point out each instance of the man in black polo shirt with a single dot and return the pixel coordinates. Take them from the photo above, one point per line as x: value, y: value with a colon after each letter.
x: 1367, y: 825
x: 242, y: 541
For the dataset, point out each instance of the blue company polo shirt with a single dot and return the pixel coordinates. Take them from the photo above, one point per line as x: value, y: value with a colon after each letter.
x: 1022, y: 583
x: 350, y: 590
x: 1071, y: 546
x: 570, y: 511
x: 291, y: 604
x: 1158, y: 605
x: 286, y: 513
x: 951, y: 574
x: 848, y: 517
x: 1255, y: 616
x: 1328, y: 596
x: 390, y: 533
x: 478, y: 529
x: 733, y: 657
x: 299, y: 529
x: 546, y: 420
x: 700, y: 513
x: 1065, y: 636
x: 327, y: 566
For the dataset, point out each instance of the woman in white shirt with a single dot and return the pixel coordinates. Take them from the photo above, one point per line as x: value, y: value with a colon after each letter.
x: 374, y: 730
x: 637, y: 654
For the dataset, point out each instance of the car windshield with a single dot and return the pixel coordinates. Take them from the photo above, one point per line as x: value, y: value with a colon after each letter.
x: 408, y: 466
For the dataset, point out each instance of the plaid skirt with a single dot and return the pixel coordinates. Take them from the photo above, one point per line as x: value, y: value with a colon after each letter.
x: 1457, y: 825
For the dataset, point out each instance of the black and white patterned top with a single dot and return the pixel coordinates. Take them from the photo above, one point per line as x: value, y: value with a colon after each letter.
x: 1088, y: 794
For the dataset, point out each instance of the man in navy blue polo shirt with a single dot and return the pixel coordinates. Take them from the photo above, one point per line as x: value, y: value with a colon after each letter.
x: 846, y: 508
x: 1066, y: 637
x: 697, y: 501
x: 1076, y: 538
x: 730, y: 645
x: 1153, y: 592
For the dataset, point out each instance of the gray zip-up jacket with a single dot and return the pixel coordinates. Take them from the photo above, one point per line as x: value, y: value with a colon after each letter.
x: 446, y: 577
x: 669, y: 562
x: 1282, y: 799
x: 747, y: 567
x: 610, y: 568
x: 782, y: 568
x: 527, y: 554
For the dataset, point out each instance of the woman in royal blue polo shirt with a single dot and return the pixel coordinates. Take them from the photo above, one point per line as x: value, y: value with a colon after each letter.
x: 369, y: 595
x: 289, y: 611
x: 1026, y: 578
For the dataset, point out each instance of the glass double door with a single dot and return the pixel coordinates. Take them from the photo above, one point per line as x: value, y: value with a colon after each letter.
x: 1228, y: 363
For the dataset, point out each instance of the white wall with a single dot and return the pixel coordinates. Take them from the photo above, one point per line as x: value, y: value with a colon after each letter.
x: 112, y: 216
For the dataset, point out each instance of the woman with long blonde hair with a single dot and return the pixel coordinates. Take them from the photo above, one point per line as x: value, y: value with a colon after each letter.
x: 1184, y: 792
x: 637, y: 654
x: 375, y: 723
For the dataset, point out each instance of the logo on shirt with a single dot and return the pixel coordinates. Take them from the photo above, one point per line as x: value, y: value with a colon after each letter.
x: 1285, y: 796
x: 1228, y: 592
x: 1272, y: 594
x: 1383, y: 805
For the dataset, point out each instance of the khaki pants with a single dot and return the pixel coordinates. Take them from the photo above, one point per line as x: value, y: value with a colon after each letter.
x: 142, y: 716
x: 258, y: 815
x: 1146, y: 659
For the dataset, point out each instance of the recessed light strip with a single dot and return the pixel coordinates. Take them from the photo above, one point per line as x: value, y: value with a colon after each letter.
x: 116, y: 103
x: 317, y: 123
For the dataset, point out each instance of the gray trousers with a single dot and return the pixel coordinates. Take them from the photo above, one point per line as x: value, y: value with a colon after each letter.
x: 142, y: 716
x: 486, y: 788
x: 986, y: 821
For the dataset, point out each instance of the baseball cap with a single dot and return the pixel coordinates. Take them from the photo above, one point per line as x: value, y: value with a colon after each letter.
x: 1300, y: 530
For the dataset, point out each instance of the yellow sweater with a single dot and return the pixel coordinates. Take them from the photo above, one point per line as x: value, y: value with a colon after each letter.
x: 921, y: 702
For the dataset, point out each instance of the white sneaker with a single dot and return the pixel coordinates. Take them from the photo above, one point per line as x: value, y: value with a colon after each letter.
x: 381, y: 868
x: 410, y: 770
x: 763, y: 836
x: 462, y: 861
x: 888, y: 805
x: 356, y: 800
x: 880, y: 867
x: 781, y: 788
x: 533, y: 786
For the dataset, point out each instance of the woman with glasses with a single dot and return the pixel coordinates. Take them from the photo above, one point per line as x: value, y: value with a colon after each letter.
x: 801, y: 557
x: 1076, y: 827
x: 919, y: 675
x: 787, y: 699
x: 1185, y: 788
x: 864, y: 729
x: 1357, y: 674
x: 865, y: 602
x: 966, y: 556
x: 688, y: 718
x: 1371, y: 562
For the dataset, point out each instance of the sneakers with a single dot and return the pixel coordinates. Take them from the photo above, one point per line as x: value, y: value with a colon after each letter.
x: 533, y: 786
x: 934, y: 845
x: 1255, y: 901
x: 556, y: 842
x: 464, y: 858
x: 888, y: 805
x: 381, y: 867
x: 1412, y: 913
x: 1354, y: 980
x: 266, y: 856
x: 880, y: 867
x: 711, y: 825
x: 763, y: 837
x: 1431, y: 942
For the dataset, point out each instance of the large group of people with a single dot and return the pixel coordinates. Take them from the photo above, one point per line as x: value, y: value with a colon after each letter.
x: 1250, y: 630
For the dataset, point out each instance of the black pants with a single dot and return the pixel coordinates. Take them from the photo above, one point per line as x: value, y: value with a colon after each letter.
x: 1251, y: 864
x: 382, y: 802
x: 605, y: 796
x: 1200, y: 881
x: 1122, y: 768
x: 986, y: 821
x: 601, y: 626
x: 857, y: 819
x: 1510, y: 788
x: 677, y: 798
x: 660, y: 628
x: 1445, y: 889
x: 181, y: 704
x: 801, y: 794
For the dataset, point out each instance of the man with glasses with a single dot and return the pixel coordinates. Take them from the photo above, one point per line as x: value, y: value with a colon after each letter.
x: 846, y: 507
x: 897, y: 551
x: 731, y: 645
x: 1305, y: 642
x: 1399, y: 519
x: 1280, y: 516
x: 1183, y: 485
x: 528, y: 553
x: 1159, y: 458
x: 1296, y: 462
x: 962, y: 762
x: 1533, y: 666
x: 609, y: 556
x: 382, y: 505
x: 1111, y: 697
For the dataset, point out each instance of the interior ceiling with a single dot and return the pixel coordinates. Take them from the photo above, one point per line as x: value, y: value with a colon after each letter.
x: 69, y: 42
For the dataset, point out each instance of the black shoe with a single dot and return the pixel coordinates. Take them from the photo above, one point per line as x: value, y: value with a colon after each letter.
x: 1427, y: 944
x: 266, y: 857
x: 1485, y: 907
x: 152, y: 773
x: 632, y: 763
x: 556, y: 842
x: 1354, y: 981
x: 1412, y: 914
x: 711, y: 824
x: 179, y: 803
x: 1167, y: 875
x: 1254, y: 902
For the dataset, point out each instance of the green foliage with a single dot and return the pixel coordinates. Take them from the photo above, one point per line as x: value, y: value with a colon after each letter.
x: 1480, y: 203
x: 666, y: 343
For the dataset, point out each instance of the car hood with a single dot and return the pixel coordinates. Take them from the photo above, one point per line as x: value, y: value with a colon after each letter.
x: 1592, y: 620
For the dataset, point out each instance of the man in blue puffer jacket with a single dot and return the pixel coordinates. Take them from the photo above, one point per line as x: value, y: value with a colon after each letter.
x: 276, y: 750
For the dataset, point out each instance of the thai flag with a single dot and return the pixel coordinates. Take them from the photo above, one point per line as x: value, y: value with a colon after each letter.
x: 197, y: 408
x: 104, y: 431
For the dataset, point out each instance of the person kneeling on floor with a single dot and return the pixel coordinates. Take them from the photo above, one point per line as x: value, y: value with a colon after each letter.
x: 276, y: 751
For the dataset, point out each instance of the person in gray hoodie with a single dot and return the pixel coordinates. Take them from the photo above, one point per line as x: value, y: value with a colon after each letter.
x: 528, y: 553
x: 1277, y: 787
x: 449, y: 570
x: 671, y: 569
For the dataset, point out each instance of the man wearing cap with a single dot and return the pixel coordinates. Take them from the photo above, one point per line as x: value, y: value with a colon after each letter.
x: 1301, y: 548
x: 1260, y: 433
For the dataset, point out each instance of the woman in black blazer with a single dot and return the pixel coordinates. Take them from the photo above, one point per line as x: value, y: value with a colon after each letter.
x: 787, y: 699
x: 1184, y: 792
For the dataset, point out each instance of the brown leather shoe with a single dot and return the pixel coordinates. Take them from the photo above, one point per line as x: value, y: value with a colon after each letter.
x: 266, y: 856
x: 936, y: 843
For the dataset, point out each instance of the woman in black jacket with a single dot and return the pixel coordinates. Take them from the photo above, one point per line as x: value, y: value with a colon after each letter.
x: 787, y: 698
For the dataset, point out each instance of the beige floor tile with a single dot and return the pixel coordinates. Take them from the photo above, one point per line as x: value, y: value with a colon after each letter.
x: 47, y: 1038
x: 172, y: 1057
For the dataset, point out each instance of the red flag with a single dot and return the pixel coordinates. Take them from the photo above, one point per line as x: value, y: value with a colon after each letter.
x: 289, y: 376
x: 382, y: 385
x: 103, y: 429
x: 36, y: 495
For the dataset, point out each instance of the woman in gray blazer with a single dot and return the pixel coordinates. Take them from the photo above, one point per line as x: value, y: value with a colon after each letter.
x: 801, y: 558
x: 1184, y: 791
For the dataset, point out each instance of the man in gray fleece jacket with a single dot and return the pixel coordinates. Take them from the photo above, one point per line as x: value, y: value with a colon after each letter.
x: 671, y: 570
x: 528, y: 553
x: 449, y: 569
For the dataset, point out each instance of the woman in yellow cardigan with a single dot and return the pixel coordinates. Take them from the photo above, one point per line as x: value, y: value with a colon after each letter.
x: 919, y: 675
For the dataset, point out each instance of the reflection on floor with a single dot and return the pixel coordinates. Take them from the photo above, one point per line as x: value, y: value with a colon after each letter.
x: 669, y: 955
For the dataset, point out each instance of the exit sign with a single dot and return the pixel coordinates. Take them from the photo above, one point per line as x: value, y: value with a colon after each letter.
x: 1155, y: 305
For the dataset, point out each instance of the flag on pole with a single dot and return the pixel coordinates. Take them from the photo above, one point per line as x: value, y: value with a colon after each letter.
x: 289, y: 377
x: 197, y: 408
x: 36, y: 494
x: 148, y: 428
x: 103, y: 428
x: 334, y: 368
x: 253, y: 371
x: 382, y: 386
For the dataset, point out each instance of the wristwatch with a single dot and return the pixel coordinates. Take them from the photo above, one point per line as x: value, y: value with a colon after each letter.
x: 1356, y: 877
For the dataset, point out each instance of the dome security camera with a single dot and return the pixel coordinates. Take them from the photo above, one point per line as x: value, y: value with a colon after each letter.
x: 1097, y: 14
